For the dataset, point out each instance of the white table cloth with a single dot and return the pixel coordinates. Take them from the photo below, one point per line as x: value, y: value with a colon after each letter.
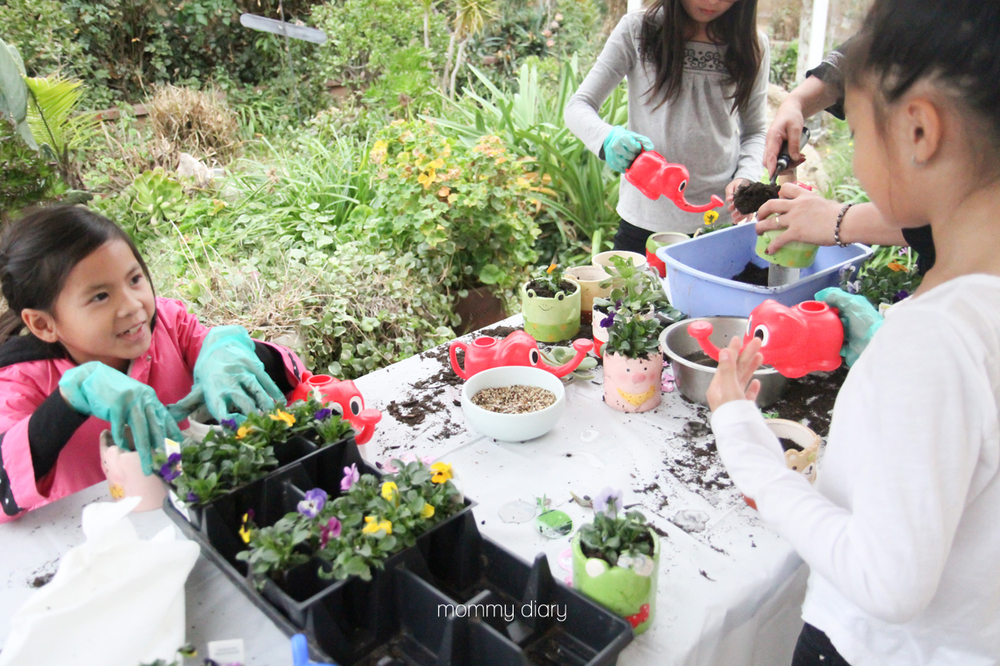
x: 729, y: 595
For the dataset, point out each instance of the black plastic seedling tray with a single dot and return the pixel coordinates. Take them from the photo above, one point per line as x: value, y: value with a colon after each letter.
x: 456, y: 598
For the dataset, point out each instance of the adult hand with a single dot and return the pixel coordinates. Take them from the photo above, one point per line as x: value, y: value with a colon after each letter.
x: 734, y: 377
x: 805, y: 216
x: 730, y: 204
x: 860, y: 319
x: 99, y: 390
x: 787, y: 125
x: 229, y: 378
x: 621, y: 147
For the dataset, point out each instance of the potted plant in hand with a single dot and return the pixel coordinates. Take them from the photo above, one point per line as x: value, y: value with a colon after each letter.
x: 616, y: 559
x: 633, y: 362
x: 550, y: 302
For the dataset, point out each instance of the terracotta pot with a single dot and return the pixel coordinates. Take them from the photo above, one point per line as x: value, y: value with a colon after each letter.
x: 551, y: 319
x: 479, y: 309
x: 632, y: 384
x: 627, y: 591
x: 125, y: 478
x: 590, y: 279
x: 803, y: 461
x: 655, y: 242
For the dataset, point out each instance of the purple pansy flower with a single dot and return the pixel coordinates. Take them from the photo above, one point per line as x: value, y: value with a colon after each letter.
x: 229, y: 423
x: 901, y: 294
x: 323, y: 414
x: 351, y: 475
x: 193, y: 498
x: 608, y: 320
x: 608, y: 501
x: 328, y: 531
x: 313, y: 503
x: 168, y: 470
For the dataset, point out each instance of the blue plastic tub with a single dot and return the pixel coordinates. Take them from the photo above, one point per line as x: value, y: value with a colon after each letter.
x: 699, y: 272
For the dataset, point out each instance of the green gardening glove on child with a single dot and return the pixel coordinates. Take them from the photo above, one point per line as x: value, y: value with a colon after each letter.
x: 101, y: 391
x: 621, y: 147
x: 860, y: 318
x: 229, y: 379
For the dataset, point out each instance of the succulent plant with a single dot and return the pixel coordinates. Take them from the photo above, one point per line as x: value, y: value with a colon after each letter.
x: 158, y: 196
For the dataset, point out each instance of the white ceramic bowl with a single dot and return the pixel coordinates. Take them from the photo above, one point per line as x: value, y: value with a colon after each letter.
x: 513, y: 427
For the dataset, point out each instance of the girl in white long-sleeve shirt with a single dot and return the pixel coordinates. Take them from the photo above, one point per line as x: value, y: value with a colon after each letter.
x: 902, y: 531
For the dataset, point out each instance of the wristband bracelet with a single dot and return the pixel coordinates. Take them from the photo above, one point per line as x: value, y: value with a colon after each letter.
x: 836, y: 228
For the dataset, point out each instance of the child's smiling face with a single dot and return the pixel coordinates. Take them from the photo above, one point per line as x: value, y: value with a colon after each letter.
x: 704, y: 11
x: 105, y: 309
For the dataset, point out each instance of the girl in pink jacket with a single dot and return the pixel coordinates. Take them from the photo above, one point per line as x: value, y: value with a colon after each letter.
x: 85, y: 345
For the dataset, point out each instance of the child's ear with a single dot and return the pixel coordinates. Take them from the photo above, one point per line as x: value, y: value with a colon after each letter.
x: 41, y: 324
x: 923, y: 129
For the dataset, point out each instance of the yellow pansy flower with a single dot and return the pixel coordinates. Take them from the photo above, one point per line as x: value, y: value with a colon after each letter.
x: 372, y: 526
x: 389, y: 490
x: 283, y: 416
x: 442, y: 472
x: 711, y: 216
x: 243, y: 431
x: 244, y: 530
x: 428, y: 511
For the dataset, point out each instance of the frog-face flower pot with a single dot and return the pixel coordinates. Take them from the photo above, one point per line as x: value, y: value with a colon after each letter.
x: 633, y: 384
x: 627, y: 589
x: 551, y: 319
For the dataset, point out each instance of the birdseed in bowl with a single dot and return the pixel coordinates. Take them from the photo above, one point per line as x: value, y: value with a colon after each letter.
x: 516, y: 399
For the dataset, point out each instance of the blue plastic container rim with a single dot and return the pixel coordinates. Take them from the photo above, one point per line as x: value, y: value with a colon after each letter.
x: 663, y: 254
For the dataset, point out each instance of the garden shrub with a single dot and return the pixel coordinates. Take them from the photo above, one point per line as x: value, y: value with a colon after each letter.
x: 347, y: 314
x: 459, y: 213
x: 359, y: 48
x: 27, y: 176
x: 195, y: 121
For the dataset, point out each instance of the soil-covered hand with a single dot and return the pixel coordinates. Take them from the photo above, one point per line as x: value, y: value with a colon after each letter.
x: 734, y: 378
x: 621, y: 147
x: 730, y: 206
x: 804, y: 215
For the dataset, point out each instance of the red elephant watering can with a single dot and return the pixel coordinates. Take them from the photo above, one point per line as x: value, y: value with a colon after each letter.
x: 794, y: 341
x: 344, y: 398
x: 518, y: 348
x: 654, y: 176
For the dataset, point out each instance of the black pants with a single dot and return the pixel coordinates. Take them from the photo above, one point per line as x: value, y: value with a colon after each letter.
x: 815, y: 649
x: 631, y: 238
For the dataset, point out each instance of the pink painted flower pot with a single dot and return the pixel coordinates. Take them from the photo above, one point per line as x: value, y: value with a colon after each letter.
x: 632, y: 384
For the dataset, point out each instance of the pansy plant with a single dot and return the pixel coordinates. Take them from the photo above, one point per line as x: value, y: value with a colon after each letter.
x: 241, y: 453
x: 615, y: 532
x: 355, y: 532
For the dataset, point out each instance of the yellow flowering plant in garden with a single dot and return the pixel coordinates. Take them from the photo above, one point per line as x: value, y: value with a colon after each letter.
x: 241, y: 453
x: 370, y: 520
x: 460, y: 212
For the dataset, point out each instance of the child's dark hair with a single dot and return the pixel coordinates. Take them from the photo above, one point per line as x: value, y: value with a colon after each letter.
x: 955, y: 43
x: 666, y: 28
x: 38, y: 251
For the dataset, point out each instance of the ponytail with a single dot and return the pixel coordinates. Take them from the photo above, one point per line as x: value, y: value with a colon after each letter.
x: 38, y: 252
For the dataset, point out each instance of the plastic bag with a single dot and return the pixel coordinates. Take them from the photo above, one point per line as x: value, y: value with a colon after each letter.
x: 115, y: 600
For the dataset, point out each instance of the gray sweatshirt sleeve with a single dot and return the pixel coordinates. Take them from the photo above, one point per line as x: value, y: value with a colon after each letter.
x: 753, y: 121
x: 582, y: 111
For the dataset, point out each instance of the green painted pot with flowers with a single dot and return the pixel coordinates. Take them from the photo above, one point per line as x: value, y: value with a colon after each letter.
x: 616, y: 561
x: 633, y: 362
x: 550, y: 303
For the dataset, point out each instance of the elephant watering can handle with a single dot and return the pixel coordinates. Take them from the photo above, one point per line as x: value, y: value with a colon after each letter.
x: 453, y: 354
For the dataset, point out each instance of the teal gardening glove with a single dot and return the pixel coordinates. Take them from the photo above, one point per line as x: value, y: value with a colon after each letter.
x: 101, y: 391
x: 229, y: 379
x: 860, y: 318
x: 621, y: 147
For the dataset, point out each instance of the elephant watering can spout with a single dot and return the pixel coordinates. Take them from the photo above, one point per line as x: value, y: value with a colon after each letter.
x: 518, y: 348
x: 654, y: 176
x: 700, y: 331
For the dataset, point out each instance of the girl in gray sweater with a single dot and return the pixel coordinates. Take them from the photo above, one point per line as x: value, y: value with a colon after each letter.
x: 697, y: 94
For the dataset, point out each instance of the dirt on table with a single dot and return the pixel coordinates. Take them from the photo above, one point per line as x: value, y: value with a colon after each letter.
x: 752, y: 274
